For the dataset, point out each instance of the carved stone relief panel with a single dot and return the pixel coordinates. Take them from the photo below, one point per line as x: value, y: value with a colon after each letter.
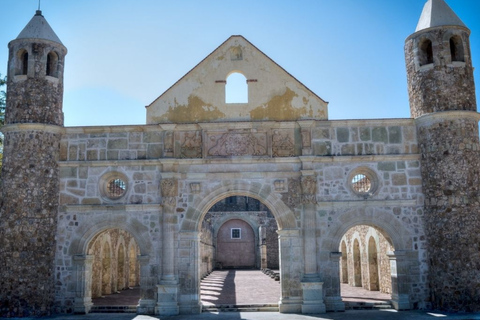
x: 168, y: 146
x: 283, y: 144
x: 195, y: 187
x: 237, y: 143
x: 191, y: 144
x: 169, y: 189
x: 292, y: 198
x: 309, y: 189
x: 306, y: 139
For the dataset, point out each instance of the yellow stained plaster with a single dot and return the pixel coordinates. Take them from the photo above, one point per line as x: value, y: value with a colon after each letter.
x: 196, y: 111
x: 280, y: 108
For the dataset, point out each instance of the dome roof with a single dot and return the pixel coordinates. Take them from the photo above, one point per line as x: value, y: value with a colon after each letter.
x: 38, y: 28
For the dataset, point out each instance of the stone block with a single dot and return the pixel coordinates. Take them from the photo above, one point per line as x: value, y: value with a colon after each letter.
x: 386, y: 166
x: 322, y: 148
x: 152, y: 137
x: 114, y: 144
x: 379, y: 134
x: 399, y: 179
x: 154, y: 151
x: 343, y: 135
x: 68, y: 172
x: 365, y: 134
x: 395, y: 134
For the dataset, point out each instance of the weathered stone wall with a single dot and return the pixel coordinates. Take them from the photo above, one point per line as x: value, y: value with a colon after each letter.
x: 434, y: 87
x: 28, y: 222
x: 381, y: 264
x: 367, y: 137
x: 451, y: 178
x: 442, y: 99
x: 207, y: 249
x: 78, y: 229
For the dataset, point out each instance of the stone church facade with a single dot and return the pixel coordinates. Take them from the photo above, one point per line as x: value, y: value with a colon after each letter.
x: 90, y: 210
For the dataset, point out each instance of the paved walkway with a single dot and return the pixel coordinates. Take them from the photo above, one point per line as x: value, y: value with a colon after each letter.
x: 239, y: 287
x: 347, y: 315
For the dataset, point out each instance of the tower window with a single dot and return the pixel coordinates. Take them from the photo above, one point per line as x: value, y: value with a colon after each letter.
x: 426, y: 52
x: 456, y: 49
x: 22, y: 63
x: 236, y: 89
x: 52, y: 64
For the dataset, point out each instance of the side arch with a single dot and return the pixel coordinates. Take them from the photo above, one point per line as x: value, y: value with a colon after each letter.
x: 202, y: 203
x: 384, y: 222
x: 85, y: 234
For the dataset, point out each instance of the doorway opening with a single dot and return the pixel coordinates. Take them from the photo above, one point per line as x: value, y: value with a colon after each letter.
x: 238, y: 240
x: 115, y: 269
x: 365, y: 271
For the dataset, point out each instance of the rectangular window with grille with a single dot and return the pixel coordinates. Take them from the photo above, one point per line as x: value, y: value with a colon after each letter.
x: 236, y: 233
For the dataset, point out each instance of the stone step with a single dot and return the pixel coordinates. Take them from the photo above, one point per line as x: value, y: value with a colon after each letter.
x: 241, y: 308
x: 113, y: 309
x: 350, y: 305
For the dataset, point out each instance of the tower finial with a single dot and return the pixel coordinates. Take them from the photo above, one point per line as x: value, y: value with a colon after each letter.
x: 39, y: 4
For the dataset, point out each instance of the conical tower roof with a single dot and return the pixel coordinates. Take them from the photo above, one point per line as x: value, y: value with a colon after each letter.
x: 437, y: 13
x: 38, y: 28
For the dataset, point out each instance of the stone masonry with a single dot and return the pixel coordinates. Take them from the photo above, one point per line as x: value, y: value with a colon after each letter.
x: 387, y: 204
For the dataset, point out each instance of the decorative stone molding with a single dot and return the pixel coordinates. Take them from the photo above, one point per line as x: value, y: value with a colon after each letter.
x: 436, y: 117
x: 279, y: 186
x: 309, y: 189
x: 169, y: 188
x: 282, y: 145
x: 191, y: 146
x: 195, y: 187
x: 237, y: 144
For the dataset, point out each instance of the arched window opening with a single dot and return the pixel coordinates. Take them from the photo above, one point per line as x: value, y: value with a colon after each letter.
x: 21, y: 67
x: 236, y: 89
x: 456, y: 49
x: 426, y: 52
x: 52, y: 64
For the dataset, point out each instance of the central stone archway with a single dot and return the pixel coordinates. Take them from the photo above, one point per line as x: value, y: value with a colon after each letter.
x: 290, y: 242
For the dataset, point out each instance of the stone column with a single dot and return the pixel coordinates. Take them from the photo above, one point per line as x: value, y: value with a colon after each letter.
x: 311, y: 284
x: 83, y: 283
x: 148, y: 280
x: 333, y: 298
x: 400, y: 284
x: 291, y: 267
x: 188, y: 272
x: 167, y: 301
x: 263, y: 247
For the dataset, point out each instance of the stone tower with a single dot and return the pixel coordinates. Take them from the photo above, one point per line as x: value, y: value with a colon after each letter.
x: 442, y: 101
x: 30, y: 175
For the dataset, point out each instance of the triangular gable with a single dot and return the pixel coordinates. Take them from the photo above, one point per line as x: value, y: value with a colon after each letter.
x: 273, y: 94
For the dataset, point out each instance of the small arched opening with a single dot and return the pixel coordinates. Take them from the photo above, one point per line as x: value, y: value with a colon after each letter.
x: 115, y: 272
x: 21, y: 66
x: 52, y: 64
x: 456, y: 49
x: 236, y: 88
x: 425, y: 52
x: 369, y: 274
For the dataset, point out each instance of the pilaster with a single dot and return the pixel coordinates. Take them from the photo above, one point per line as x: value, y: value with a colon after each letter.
x: 400, y: 284
x: 83, y: 283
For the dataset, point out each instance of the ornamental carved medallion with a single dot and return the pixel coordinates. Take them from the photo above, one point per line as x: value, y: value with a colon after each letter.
x: 191, y: 145
x: 237, y: 144
x: 309, y: 189
x: 282, y: 145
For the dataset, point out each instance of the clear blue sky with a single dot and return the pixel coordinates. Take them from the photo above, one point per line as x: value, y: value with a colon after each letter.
x: 125, y: 53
